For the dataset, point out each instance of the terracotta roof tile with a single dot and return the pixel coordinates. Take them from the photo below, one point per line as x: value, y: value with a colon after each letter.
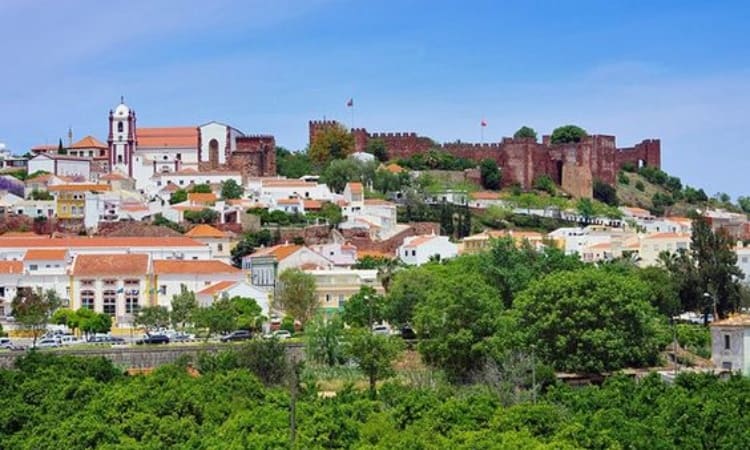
x: 216, y: 288
x: 11, y: 267
x: 312, y: 204
x: 668, y: 236
x: 110, y: 265
x: 736, y: 320
x: 168, y: 137
x: 356, y: 188
x: 394, y: 168
x: 419, y: 240
x: 79, y: 187
x: 89, y: 142
x: 205, y: 231
x: 199, y: 197
x: 57, y: 254
x: 99, y: 242
x: 288, y: 201
x: 279, y: 251
x: 210, y: 266
x: 378, y: 202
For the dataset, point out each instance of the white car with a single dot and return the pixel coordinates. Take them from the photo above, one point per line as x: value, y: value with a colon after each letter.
x: 282, y: 334
x: 48, y: 343
x: 69, y: 340
x: 385, y: 330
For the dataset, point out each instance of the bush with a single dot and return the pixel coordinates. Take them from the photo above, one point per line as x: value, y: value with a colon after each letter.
x: 640, y: 186
x: 524, y: 133
x: 266, y: 358
x: 623, y: 179
x: 567, y: 134
x: 605, y: 193
x: 629, y: 167
x: 544, y: 183
x: 287, y: 323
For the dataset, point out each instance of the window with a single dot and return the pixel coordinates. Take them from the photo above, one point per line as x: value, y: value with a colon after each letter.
x: 744, y: 260
x: 179, y: 157
x: 220, y: 247
x: 182, y: 182
x: 119, y: 159
x: 110, y: 282
x: 163, y: 289
x: 2, y: 291
x: 165, y: 157
x: 87, y: 282
x: 131, y: 302
x: 413, y: 253
x: 727, y: 342
x: 109, y: 302
x: 132, y: 282
x: 342, y: 300
x: 33, y: 267
x: 87, y: 299
x: 119, y: 127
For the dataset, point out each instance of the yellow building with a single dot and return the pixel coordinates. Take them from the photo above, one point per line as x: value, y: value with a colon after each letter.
x: 482, y: 241
x: 334, y: 287
x: 71, y: 198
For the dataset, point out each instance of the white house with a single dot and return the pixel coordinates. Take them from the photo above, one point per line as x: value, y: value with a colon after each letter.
x: 61, y: 165
x: 654, y: 244
x: 229, y: 289
x: 267, y: 263
x: 730, y: 344
x: 333, y: 287
x: 341, y: 255
x: 417, y: 250
x: 169, y: 275
x: 220, y: 242
x: 186, y: 178
x: 35, y: 208
x: 269, y: 189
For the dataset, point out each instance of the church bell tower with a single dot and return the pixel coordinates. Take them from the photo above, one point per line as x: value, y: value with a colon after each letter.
x: 122, y: 139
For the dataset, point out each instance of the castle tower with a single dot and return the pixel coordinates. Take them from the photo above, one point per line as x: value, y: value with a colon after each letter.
x: 122, y: 138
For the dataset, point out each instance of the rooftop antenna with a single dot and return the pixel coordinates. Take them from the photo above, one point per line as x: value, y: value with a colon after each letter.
x: 70, y: 136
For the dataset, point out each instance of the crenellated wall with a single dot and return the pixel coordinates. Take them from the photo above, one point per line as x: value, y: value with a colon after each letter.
x: 573, y: 166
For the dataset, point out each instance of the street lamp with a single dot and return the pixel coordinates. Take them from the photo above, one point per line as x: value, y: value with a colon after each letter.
x: 710, y: 297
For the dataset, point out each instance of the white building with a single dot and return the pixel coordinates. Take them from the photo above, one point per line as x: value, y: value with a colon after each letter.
x: 268, y: 190
x: 229, y: 289
x: 169, y: 275
x: 417, y: 250
x: 61, y: 165
x: 267, y: 263
x: 652, y: 245
x: 730, y: 344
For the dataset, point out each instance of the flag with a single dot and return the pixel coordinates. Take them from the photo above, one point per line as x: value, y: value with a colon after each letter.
x: 350, y: 103
x: 483, y: 123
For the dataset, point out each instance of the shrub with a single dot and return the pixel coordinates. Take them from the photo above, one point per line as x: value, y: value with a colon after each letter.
x: 544, y: 183
x: 640, y: 186
x: 623, y: 179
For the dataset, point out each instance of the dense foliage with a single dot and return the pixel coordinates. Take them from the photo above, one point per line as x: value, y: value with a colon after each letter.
x: 64, y: 402
x: 435, y: 159
x: 567, y: 133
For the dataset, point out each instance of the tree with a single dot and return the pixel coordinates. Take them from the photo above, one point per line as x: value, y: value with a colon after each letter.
x: 544, y: 183
x: 32, y: 309
x: 41, y: 195
x: 296, y: 295
x: 590, y: 320
x: 525, y: 133
x: 248, y: 244
x: 324, y: 340
x: 230, y: 189
x: 61, y: 150
x: 266, y: 358
x: 205, y: 215
x: 585, y: 208
x: 204, y: 188
x: 93, y: 322
x: 339, y: 172
x: 153, y: 317
x: 744, y: 204
x: 331, y: 142
x: 178, y: 196
x: 67, y: 317
x: 378, y: 149
x: 183, y: 306
x: 293, y: 164
x: 220, y: 317
x: 364, y: 308
x: 248, y: 314
x: 489, y: 174
x: 605, y: 193
x: 373, y: 353
x: 567, y: 134
x: 329, y: 211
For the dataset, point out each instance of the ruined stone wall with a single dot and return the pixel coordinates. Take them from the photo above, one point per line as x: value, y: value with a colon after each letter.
x: 255, y: 156
x: 361, y: 238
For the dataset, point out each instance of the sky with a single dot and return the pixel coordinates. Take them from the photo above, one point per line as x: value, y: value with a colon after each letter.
x: 674, y: 70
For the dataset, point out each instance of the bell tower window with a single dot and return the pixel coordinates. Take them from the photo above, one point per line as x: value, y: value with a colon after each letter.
x: 119, y: 127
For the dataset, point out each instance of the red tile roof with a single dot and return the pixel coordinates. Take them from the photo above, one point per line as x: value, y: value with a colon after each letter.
x: 210, y: 266
x: 312, y: 204
x: 57, y: 254
x: 110, y: 265
x: 419, y: 240
x: 279, y: 251
x: 205, y: 231
x: 200, y: 197
x: 89, y: 142
x: 168, y: 137
x: 11, y: 267
x: 356, y: 188
x: 79, y: 187
x: 216, y: 288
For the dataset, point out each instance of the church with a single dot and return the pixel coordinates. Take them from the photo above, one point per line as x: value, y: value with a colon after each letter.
x: 143, y: 152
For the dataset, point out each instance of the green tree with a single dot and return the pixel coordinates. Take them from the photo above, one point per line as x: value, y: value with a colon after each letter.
x: 266, y: 358
x: 374, y: 354
x: 378, y: 149
x: 248, y: 244
x: 640, y: 186
x: 153, y: 317
x: 605, y: 193
x: 93, y: 322
x: 544, y: 183
x: 567, y: 134
x: 525, y: 133
x: 67, y: 317
x: 331, y: 212
x: 331, y: 142
x: 608, y: 323
x: 296, y: 295
x: 324, y: 340
x: 585, y: 208
x: 364, y: 308
x: 293, y: 164
x: 248, y: 314
x: 178, y: 196
x: 184, y: 305
x: 339, y: 172
x: 205, y: 215
x: 41, y: 195
x: 489, y: 174
x: 32, y: 309
x: 220, y: 317
x: 230, y: 189
x: 744, y: 204
x: 204, y: 188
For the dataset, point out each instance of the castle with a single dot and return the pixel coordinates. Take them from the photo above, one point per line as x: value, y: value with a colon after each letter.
x: 573, y: 166
x: 141, y: 152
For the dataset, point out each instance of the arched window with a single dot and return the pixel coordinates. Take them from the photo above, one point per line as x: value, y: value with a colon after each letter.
x: 119, y: 127
x: 213, y: 153
x: 87, y: 299
x: 109, y: 302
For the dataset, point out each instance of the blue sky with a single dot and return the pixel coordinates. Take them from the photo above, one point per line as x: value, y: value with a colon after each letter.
x: 675, y: 70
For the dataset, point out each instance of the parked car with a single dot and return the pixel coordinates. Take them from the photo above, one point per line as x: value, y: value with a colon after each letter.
x: 282, y: 334
x: 237, y: 335
x: 381, y: 329
x: 105, y: 340
x: 181, y: 337
x: 153, y: 339
x: 408, y: 333
x: 6, y: 343
x: 69, y: 340
x: 47, y: 343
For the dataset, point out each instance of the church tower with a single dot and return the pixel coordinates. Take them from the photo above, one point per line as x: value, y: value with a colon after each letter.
x: 122, y: 139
